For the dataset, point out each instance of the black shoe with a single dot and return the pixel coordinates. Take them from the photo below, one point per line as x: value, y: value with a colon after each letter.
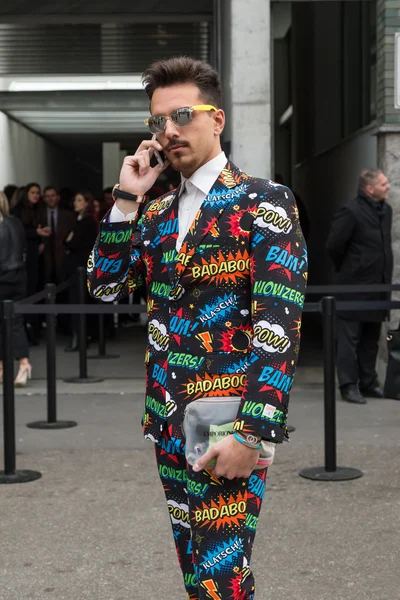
x: 351, y: 394
x: 375, y: 392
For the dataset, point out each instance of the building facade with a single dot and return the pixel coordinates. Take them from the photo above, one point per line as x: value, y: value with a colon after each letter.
x: 308, y: 89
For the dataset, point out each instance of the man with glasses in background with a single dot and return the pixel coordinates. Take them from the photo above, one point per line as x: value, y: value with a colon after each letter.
x: 224, y: 263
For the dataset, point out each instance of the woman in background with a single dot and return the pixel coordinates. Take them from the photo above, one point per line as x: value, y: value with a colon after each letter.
x: 78, y: 245
x: 100, y: 208
x: 30, y: 212
x: 13, y: 285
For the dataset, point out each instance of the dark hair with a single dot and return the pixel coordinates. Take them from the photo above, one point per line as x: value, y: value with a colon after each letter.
x: 9, y: 189
x: 183, y: 69
x: 28, y: 213
x: 50, y: 187
x: 89, y: 199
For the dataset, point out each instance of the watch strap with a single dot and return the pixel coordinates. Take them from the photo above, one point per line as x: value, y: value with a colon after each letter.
x: 118, y: 193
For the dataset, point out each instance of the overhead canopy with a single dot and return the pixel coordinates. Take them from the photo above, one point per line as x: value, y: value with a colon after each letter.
x: 91, y: 41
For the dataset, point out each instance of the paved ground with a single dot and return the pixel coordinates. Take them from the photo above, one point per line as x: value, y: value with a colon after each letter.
x: 92, y: 526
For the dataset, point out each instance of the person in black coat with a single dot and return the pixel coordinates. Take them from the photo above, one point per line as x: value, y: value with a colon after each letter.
x: 360, y: 246
x: 30, y: 211
x: 78, y: 245
x: 13, y: 286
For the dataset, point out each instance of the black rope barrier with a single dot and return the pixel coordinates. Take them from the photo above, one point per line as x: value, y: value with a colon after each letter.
x: 352, y: 289
x: 51, y: 422
x: 329, y: 307
x: 10, y: 473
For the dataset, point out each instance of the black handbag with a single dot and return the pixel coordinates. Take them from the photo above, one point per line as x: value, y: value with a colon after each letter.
x: 392, y: 381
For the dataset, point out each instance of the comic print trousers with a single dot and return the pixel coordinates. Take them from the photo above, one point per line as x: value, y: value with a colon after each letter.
x: 213, y: 521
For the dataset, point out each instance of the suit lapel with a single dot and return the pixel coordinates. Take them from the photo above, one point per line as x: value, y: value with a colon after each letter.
x: 165, y: 213
x: 225, y: 192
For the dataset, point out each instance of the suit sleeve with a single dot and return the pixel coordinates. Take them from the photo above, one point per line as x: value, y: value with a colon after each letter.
x: 115, y: 268
x: 340, y: 235
x: 279, y: 275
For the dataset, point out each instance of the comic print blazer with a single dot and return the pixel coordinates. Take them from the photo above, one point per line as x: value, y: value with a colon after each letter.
x: 225, y: 312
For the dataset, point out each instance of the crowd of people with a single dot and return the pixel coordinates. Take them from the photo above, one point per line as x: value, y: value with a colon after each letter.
x: 45, y: 235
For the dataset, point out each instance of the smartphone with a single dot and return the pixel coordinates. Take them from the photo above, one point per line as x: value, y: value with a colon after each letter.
x: 159, y: 158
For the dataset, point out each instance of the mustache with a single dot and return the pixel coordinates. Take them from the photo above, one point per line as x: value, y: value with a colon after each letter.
x: 175, y: 143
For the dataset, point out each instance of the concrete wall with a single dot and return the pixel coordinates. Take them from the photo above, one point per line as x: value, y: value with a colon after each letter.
x: 25, y: 157
x: 388, y: 23
x: 246, y: 83
x: 327, y: 181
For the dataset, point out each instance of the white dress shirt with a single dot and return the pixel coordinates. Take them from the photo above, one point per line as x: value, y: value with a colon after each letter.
x: 193, y: 191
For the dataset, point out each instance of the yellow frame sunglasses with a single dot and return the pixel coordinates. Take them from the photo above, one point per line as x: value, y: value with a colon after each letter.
x: 181, y: 117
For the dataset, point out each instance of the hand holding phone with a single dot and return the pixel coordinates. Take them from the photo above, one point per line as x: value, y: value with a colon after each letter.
x: 137, y: 175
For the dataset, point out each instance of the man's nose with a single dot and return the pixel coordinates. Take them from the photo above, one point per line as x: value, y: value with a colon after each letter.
x: 171, y: 129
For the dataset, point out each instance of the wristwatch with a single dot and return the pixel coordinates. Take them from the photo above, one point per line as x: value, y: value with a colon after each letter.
x: 117, y: 193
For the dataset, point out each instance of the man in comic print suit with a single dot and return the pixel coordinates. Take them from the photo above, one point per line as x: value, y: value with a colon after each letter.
x: 224, y: 263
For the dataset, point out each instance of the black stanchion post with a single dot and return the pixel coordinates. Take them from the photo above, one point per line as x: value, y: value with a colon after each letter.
x: 102, y: 336
x: 51, y: 422
x: 10, y: 474
x: 330, y: 472
x: 82, y: 335
x: 329, y: 323
x: 102, y: 342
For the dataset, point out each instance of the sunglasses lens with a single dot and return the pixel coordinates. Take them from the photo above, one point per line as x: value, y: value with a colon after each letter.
x: 156, y: 124
x: 182, y: 116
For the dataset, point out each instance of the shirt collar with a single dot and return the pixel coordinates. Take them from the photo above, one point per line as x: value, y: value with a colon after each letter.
x: 206, y: 175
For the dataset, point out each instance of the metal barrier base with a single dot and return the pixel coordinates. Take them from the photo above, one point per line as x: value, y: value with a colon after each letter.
x: 83, y: 380
x: 19, y: 476
x: 102, y: 356
x: 54, y: 425
x: 321, y: 474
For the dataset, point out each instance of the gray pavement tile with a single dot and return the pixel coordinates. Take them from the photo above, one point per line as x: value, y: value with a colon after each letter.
x: 95, y: 526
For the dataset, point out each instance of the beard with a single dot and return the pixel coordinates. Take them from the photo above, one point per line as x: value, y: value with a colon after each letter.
x: 184, y: 163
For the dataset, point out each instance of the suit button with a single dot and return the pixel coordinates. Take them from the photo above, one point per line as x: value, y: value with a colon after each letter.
x: 174, y: 306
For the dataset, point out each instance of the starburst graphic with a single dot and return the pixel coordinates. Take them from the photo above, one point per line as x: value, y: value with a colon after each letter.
x: 211, y: 228
x: 149, y: 262
x: 162, y: 451
x: 218, y: 310
x: 275, y: 266
x: 213, y: 379
x: 107, y: 257
x: 219, y: 515
x: 234, y: 544
x: 236, y: 584
x: 193, y: 226
x: 267, y: 388
x: 183, y: 258
x: 219, y: 269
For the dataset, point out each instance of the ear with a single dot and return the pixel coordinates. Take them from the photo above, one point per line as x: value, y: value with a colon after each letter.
x: 219, y: 121
x: 369, y: 189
